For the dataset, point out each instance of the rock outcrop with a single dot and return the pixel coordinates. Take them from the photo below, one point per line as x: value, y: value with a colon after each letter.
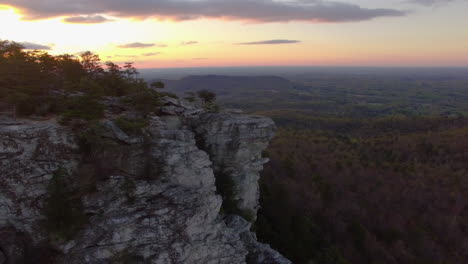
x: 180, y: 190
x: 235, y: 144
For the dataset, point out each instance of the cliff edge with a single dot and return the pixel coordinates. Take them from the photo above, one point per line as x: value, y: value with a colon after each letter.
x: 180, y: 187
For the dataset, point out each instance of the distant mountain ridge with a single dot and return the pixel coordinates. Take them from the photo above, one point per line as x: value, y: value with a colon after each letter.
x: 225, y: 85
x: 237, y: 91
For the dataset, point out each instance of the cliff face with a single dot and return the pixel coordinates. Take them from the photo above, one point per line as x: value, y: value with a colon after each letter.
x: 173, y: 192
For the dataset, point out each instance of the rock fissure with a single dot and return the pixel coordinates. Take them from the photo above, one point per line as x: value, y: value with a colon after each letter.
x: 111, y: 245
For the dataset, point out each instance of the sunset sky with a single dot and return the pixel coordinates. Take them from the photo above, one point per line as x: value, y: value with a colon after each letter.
x: 192, y: 33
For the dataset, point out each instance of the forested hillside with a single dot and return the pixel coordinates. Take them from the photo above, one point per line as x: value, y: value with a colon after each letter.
x: 364, y: 168
x: 374, y: 170
x: 388, y: 191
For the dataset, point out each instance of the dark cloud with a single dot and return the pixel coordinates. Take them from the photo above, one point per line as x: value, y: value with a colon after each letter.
x: 429, y: 2
x: 87, y: 19
x: 34, y: 46
x: 151, y: 54
x: 186, y: 43
x: 259, y: 11
x: 136, y: 45
x: 271, y: 42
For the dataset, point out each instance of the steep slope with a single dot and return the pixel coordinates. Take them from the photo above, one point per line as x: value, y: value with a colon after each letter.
x: 113, y: 195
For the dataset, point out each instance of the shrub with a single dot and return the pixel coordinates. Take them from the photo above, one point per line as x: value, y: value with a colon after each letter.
x: 168, y: 94
x: 25, y: 105
x: 82, y: 107
x: 157, y: 85
x: 131, y: 127
x: 212, y: 107
x: 145, y: 101
x: 190, y: 97
x: 63, y: 210
x: 90, y: 139
x: 206, y: 96
x: 98, y: 151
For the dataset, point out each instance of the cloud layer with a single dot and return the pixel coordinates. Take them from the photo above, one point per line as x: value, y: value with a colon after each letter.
x: 429, y: 2
x: 186, y: 43
x: 259, y: 11
x: 149, y: 54
x: 87, y: 19
x: 137, y: 45
x: 271, y: 42
x: 34, y: 46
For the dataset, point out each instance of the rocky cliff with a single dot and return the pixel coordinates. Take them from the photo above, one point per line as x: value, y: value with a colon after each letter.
x: 181, y: 188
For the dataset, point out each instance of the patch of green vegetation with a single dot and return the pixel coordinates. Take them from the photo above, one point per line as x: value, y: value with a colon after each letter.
x: 191, y: 97
x: 208, y: 99
x: 212, y: 107
x: 206, y: 96
x: 63, y: 208
x: 131, y: 126
x: 82, y: 107
x: 25, y: 105
x: 103, y: 154
x: 145, y: 101
x: 90, y: 139
x: 35, y: 83
x: 169, y: 94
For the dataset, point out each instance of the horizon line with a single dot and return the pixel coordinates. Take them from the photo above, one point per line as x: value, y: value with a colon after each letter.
x: 311, y: 66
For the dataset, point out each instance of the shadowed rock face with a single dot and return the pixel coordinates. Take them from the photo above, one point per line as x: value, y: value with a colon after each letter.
x: 147, y: 198
x: 235, y: 144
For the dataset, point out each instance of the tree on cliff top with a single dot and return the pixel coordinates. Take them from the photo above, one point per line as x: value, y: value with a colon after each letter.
x: 206, y: 96
x: 27, y: 79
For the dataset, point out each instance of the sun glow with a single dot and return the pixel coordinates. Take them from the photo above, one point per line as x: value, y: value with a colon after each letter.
x: 72, y: 38
x: 382, y: 42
